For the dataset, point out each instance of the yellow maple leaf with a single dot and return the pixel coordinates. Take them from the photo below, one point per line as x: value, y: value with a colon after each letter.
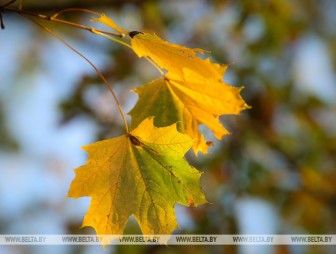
x: 171, y: 57
x: 191, y: 101
x: 142, y: 173
x: 175, y: 58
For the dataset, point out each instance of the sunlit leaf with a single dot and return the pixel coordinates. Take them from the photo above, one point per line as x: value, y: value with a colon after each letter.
x: 142, y: 174
x: 190, y: 101
x: 175, y: 58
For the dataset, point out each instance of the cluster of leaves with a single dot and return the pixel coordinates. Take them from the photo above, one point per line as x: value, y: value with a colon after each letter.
x: 143, y: 173
x: 286, y: 155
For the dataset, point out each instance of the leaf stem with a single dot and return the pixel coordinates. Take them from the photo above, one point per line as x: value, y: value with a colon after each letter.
x: 154, y: 64
x: 128, y: 46
x: 93, y: 66
x: 95, y: 31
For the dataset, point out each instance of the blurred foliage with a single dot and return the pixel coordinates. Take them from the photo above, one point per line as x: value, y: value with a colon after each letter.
x: 7, y: 141
x: 281, y: 150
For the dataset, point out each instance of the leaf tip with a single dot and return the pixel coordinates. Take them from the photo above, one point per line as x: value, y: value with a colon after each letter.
x: 191, y: 202
x: 85, y: 148
x: 110, y: 23
x: 245, y: 105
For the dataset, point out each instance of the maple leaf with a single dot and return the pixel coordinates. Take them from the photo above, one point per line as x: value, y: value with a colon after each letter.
x: 142, y: 173
x: 190, y: 101
x: 175, y: 58
x: 171, y: 57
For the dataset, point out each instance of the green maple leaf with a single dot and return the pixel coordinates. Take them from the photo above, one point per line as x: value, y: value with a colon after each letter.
x: 142, y: 173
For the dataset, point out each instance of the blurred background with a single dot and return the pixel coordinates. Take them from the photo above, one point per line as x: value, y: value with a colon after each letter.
x: 276, y: 172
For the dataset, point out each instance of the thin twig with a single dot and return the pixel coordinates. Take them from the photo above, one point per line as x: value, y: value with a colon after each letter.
x: 93, y: 66
x: 8, y: 3
x: 74, y: 9
x: 50, y: 18
x: 2, y: 7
